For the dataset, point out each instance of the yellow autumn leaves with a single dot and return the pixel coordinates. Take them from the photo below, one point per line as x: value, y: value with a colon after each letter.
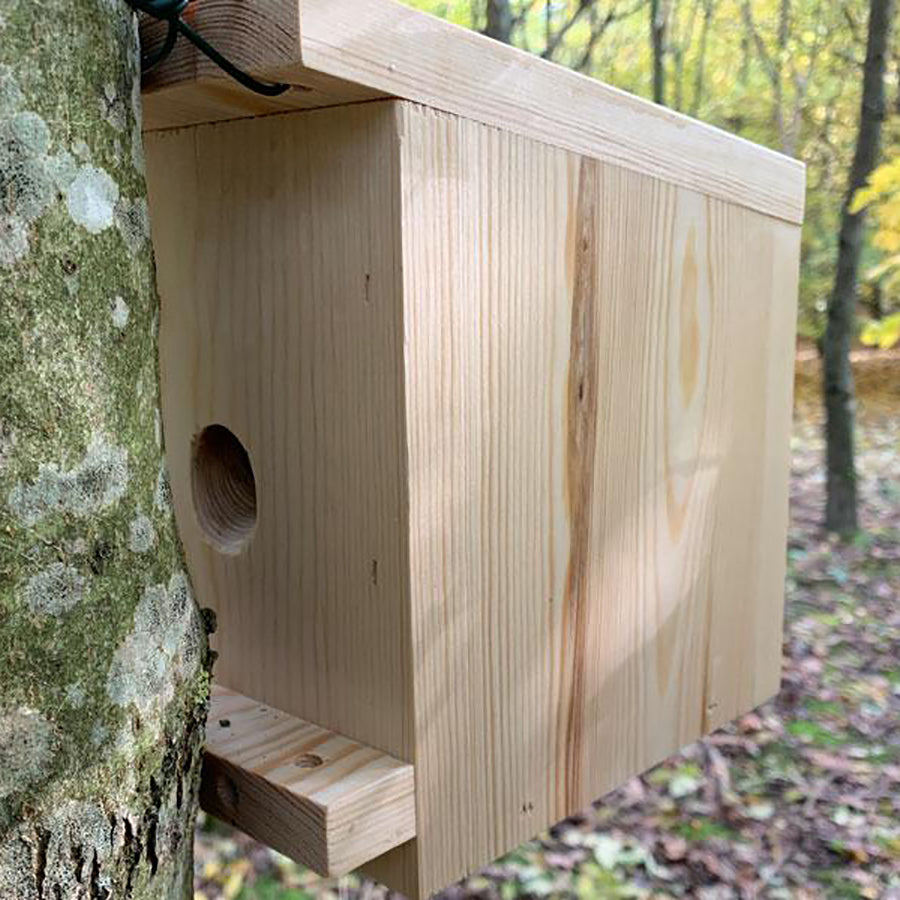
x: 881, y: 196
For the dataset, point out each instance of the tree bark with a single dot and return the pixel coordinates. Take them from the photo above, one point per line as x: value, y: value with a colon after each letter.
x: 103, y: 653
x: 841, y: 502
x: 499, y: 21
x: 658, y: 42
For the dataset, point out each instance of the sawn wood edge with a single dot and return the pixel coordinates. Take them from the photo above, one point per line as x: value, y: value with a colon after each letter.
x: 329, y: 803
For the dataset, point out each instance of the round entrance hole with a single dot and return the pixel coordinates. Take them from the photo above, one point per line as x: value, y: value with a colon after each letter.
x: 224, y: 489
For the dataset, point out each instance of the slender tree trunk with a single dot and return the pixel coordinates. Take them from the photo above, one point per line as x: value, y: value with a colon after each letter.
x: 700, y: 72
x: 103, y: 655
x: 840, y: 512
x: 548, y: 22
x: 499, y: 21
x: 658, y: 42
x: 897, y: 98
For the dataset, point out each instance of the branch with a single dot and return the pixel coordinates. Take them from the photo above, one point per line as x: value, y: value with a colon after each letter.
x: 598, y: 29
x: 759, y: 43
x: 557, y: 39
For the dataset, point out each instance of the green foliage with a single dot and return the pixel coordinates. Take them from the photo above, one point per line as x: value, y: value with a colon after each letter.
x: 702, y: 829
x: 882, y: 333
x: 881, y: 196
x: 269, y: 888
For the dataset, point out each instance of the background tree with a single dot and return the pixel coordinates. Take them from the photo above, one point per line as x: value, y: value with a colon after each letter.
x: 841, y: 500
x: 658, y: 42
x: 499, y: 21
x: 102, y: 652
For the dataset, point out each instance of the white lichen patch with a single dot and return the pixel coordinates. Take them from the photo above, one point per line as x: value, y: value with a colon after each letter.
x: 137, y: 109
x: 31, y: 132
x: 17, y: 868
x: 91, y: 199
x: 54, y: 590
x: 162, y: 649
x: 13, y: 240
x: 137, y: 150
x: 62, y: 168
x: 7, y: 443
x: 77, y: 546
x: 170, y: 823
x: 142, y: 535
x: 162, y: 495
x: 120, y: 312
x: 157, y: 427
x: 95, y: 484
x: 27, y: 745
x: 26, y: 185
x: 75, y: 694
x: 84, y: 825
x: 71, y: 282
x: 99, y: 734
x: 133, y: 221
x: 30, y: 177
x: 11, y: 96
x: 112, y: 107
x: 137, y: 140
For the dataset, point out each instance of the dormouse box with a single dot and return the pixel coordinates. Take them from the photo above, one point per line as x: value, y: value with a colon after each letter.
x: 477, y: 396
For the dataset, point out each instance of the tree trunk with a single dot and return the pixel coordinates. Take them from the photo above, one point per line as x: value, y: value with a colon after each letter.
x: 499, y: 21
x: 840, y: 512
x: 103, y: 654
x: 700, y: 73
x: 658, y: 42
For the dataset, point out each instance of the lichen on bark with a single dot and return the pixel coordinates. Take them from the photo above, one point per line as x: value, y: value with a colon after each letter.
x: 103, y: 653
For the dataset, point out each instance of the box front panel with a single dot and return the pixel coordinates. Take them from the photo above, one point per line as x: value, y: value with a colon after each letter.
x: 598, y: 372
x: 277, y: 242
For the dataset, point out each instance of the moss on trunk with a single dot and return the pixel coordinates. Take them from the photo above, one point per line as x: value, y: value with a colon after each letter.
x: 103, y: 653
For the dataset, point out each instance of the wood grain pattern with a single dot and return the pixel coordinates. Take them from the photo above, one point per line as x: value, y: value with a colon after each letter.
x: 352, y: 50
x: 278, y: 247
x: 278, y: 253
x: 598, y: 408
x: 325, y: 801
x: 258, y: 36
x: 519, y: 422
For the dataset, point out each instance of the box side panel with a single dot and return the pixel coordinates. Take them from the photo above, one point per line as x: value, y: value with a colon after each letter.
x: 598, y: 406
x: 277, y: 243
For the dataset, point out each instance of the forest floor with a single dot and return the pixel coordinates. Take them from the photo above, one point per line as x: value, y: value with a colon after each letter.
x: 798, y: 799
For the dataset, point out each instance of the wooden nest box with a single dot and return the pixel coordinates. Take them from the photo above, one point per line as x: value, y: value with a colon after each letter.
x: 477, y: 400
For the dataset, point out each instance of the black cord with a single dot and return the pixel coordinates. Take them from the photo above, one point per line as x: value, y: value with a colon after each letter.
x: 170, y: 11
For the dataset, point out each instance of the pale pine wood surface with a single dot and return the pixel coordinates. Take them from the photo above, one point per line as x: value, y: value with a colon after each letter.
x: 340, y: 51
x: 326, y: 801
x: 278, y: 255
x: 278, y: 252
x: 598, y: 407
x: 550, y: 396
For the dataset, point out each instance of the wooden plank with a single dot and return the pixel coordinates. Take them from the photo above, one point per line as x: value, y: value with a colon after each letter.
x: 350, y: 50
x: 598, y: 413
x: 278, y: 252
x: 278, y: 256
x: 327, y: 802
